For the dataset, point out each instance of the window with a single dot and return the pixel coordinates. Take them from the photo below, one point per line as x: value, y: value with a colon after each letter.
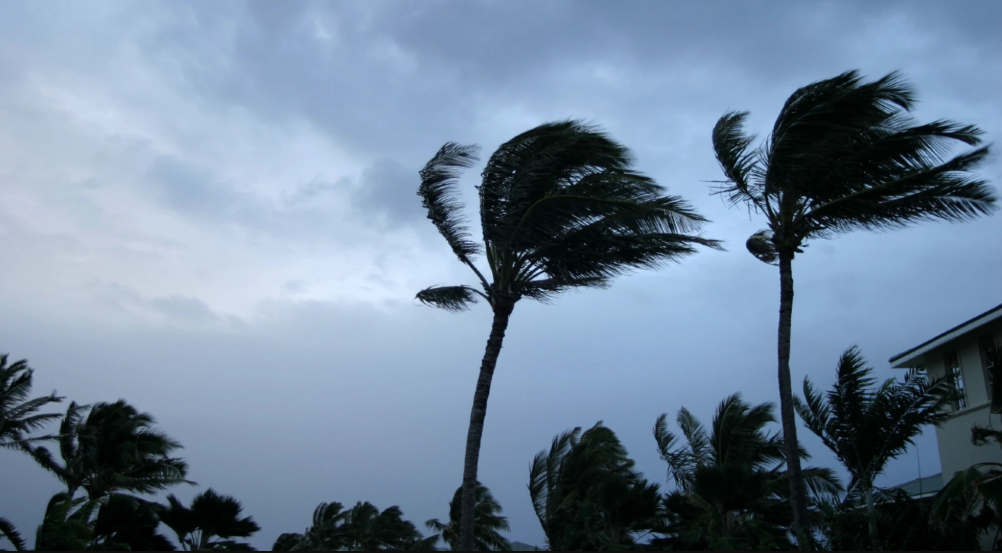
x: 951, y: 362
x: 986, y: 346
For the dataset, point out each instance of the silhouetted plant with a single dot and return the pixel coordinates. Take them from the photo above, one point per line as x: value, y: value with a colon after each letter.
x: 843, y: 155
x: 560, y: 208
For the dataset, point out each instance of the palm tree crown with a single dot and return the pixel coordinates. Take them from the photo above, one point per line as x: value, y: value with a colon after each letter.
x: 559, y: 208
x: 845, y: 155
x: 18, y: 413
x: 211, y: 516
x: 487, y: 522
x: 114, y: 448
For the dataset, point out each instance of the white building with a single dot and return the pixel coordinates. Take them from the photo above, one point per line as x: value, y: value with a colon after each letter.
x: 964, y: 352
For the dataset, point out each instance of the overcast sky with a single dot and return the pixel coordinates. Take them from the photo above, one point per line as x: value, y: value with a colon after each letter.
x: 208, y: 209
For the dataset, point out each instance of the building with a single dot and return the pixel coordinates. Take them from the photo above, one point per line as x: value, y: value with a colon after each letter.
x: 965, y: 354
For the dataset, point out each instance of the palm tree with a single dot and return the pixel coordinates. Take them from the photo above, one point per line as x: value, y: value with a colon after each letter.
x: 865, y: 427
x: 325, y: 534
x: 587, y: 495
x: 367, y: 529
x: 843, y: 155
x: 211, y: 517
x: 127, y: 523
x: 17, y: 413
x: 487, y: 522
x: 66, y: 529
x: 115, y: 448
x: 731, y: 491
x: 560, y: 208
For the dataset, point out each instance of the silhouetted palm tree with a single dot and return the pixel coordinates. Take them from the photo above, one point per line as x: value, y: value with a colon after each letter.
x: 127, y: 523
x: 115, y: 448
x: 487, y: 522
x: 587, y: 495
x: 210, y: 523
x: 843, y: 155
x: 732, y: 491
x: 324, y: 535
x: 560, y: 208
x: 17, y: 413
x: 866, y: 427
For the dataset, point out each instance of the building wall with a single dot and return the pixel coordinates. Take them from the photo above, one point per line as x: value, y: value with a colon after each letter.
x: 956, y: 452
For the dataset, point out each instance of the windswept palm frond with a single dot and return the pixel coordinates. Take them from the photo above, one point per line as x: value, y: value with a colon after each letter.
x: 13, y: 536
x: 450, y: 298
x: 440, y: 197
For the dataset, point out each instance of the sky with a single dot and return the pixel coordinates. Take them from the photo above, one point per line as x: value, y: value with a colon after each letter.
x: 209, y: 209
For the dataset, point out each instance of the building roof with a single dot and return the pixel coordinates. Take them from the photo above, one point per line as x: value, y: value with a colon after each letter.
x: 908, y: 358
x: 922, y: 487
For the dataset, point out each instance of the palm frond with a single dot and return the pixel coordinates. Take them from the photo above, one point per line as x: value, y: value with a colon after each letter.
x: 13, y: 536
x: 731, y: 146
x: 450, y: 298
x: 440, y: 197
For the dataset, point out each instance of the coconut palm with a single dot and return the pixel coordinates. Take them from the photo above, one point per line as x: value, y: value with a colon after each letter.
x: 587, y: 495
x: 210, y: 523
x: 487, y: 522
x: 731, y: 490
x: 844, y: 154
x: 18, y: 414
x: 115, y: 448
x: 560, y: 208
x: 866, y: 427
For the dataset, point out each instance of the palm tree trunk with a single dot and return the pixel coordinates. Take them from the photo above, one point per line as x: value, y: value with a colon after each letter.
x: 797, y: 491
x: 871, y: 514
x: 502, y: 311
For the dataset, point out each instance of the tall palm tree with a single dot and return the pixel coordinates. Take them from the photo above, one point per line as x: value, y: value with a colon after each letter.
x: 18, y: 413
x: 587, y: 495
x: 560, y: 208
x: 487, y: 522
x: 115, y: 448
x: 844, y: 154
x: 210, y: 523
x: 866, y: 427
x: 731, y: 490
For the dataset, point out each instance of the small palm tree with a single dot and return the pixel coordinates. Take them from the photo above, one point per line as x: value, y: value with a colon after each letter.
x: 487, y: 522
x: 587, y: 495
x: 326, y: 534
x: 732, y: 491
x: 866, y: 427
x: 210, y: 523
x: 127, y: 523
x: 843, y: 155
x: 18, y: 414
x: 115, y: 448
x: 560, y: 208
